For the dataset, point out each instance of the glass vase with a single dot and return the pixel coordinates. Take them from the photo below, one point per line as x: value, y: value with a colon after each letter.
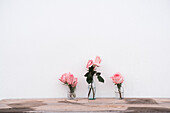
x: 92, y: 91
x: 71, y: 95
x: 119, y: 92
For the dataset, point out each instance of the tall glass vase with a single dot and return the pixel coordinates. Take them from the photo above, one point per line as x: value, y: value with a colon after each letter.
x: 92, y: 91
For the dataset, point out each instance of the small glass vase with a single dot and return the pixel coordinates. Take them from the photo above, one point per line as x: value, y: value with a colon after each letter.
x: 119, y: 92
x: 71, y: 95
x: 92, y: 91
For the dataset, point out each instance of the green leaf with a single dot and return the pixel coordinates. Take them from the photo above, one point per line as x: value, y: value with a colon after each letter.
x: 93, y: 72
x: 91, y: 68
x: 98, y: 74
x: 89, y: 78
x: 100, y: 78
x: 86, y: 74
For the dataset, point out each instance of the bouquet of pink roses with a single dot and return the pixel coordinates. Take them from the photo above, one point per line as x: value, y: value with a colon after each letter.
x: 118, y: 80
x: 69, y: 80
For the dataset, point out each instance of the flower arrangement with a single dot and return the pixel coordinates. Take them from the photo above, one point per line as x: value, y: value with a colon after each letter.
x: 118, y: 80
x: 69, y: 80
x: 92, y: 66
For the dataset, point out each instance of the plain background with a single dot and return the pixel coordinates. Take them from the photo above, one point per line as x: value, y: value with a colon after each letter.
x: 42, y: 39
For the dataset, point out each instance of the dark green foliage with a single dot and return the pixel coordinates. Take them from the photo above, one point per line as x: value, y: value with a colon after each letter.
x: 100, y: 78
x: 93, y: 72
x: 98, y: 74
x: 89, y: 78
x: 86, y: 74
x: 91, y: 69
x: 90, y: 75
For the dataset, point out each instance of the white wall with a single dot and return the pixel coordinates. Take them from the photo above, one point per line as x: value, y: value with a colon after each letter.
x: 42, y: 39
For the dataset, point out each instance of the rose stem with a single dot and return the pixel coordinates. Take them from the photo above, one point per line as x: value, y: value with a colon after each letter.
x: 89, y: 92
x: 93, y: 90
x: 120, y: 93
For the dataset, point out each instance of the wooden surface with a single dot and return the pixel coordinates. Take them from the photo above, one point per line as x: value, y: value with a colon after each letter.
x: 128, y: 105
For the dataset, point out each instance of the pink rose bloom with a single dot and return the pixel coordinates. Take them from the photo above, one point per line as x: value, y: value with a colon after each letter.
x: 74, y: 82
x: 97, y: 61
x: 117, y: 78
x: 64, y: 78
x: 70, y: 78
x: 90, y: 63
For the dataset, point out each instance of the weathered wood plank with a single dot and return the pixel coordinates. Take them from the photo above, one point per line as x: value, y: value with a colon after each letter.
x: 132, y: 105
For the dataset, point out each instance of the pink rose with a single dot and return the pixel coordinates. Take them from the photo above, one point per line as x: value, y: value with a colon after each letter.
x: 64, y: 78
x: 97, y: 61
x: 117, y: 78
x: 70, y: 78
x: 90, y: 63
x: 74, y: 82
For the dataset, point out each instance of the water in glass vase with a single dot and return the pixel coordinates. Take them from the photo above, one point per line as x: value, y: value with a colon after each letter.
x: 119, y: 92
x: 71, y: 95
x: 92, y: 91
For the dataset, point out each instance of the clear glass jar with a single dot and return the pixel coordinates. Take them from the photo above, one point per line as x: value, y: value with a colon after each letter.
x: 119, y: 93
x: 92, y: 91
x: 71, y: 95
